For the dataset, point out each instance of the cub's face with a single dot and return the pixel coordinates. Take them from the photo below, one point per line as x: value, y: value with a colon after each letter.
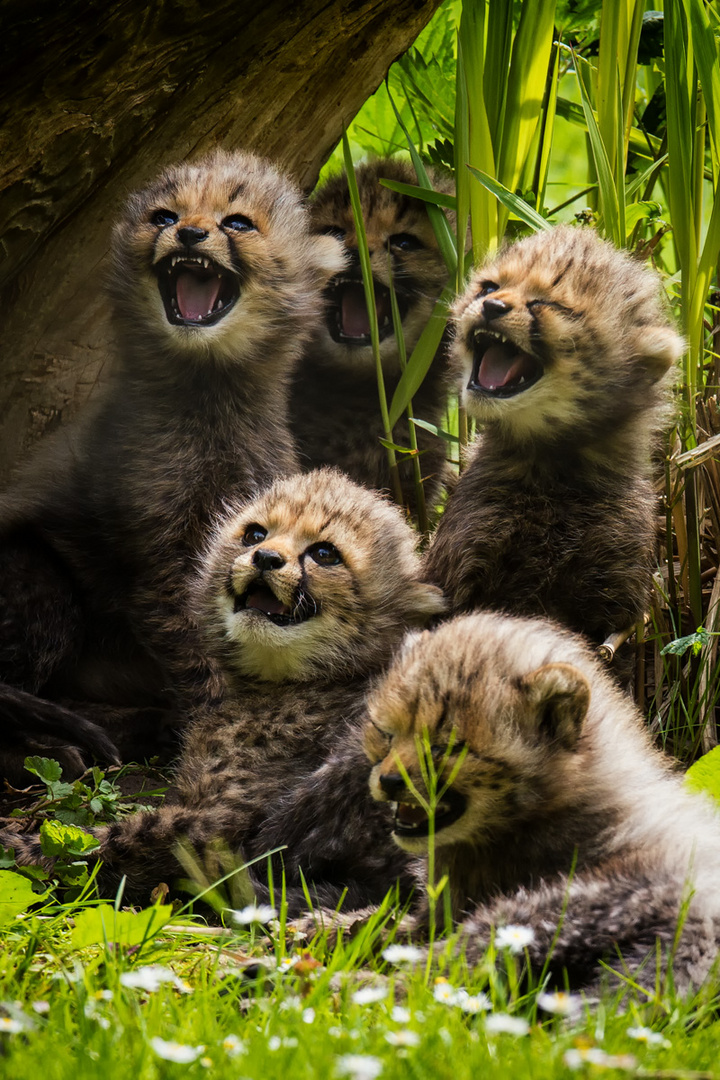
x: 213, y: 255
x: 481, y: 705
x: 403, y: 252
x: 559, y: 329
x: 315, y: 579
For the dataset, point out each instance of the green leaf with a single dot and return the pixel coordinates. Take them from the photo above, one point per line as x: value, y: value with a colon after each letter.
x: 7, y: 858
x: 435, y: 430
x: 58, y: 839
x: 96, y: 926
x: 16, y: 895
x: 438, y: 198
x: 680, y: 646
x: 606, y: 181
x: 514, y: 203
x: 47, y: 769
x: 422, y: 357
x: 704, y: 775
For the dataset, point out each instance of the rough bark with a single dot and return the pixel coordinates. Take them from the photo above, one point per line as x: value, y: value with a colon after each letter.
x: 98, y: 96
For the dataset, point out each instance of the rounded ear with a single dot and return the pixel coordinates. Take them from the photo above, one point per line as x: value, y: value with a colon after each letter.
x: 560, y: 697
x: 329, y: 256
x: 425, y: 600
x: 658, y: 349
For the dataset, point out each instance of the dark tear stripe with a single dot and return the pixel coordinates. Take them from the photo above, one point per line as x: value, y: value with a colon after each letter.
x: 238, y: 190
x: 563, y: 272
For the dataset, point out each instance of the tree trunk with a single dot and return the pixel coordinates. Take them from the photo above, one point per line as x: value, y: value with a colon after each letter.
x: 99, y: 96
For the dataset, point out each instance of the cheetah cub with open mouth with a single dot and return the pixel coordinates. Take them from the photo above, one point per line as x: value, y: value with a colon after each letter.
x: 553, y: 809
x: 565, y: 347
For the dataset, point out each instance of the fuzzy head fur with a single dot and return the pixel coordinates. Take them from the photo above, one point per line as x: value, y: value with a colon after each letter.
x: 317, y: 579
x: 561, y: 333
x: 215, y: 261
x: 394, y: 224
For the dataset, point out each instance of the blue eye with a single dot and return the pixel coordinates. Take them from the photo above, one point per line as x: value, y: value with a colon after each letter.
x: 487, y: 287
x: 238, y: 223
x: 163, y: 218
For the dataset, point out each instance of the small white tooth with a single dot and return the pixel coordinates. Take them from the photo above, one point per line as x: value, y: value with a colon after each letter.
x: 206, y: 263
x: 174, y: 259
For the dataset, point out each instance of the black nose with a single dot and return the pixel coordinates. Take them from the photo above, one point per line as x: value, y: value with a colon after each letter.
x: 191, y: 234
x: 493, y: 308
x: 392, y: 784
x: 268, y: 560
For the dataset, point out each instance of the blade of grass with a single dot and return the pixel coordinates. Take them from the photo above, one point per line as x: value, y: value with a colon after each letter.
x: 369, y: 287
x: 514, y: 203
x: 421, y: 358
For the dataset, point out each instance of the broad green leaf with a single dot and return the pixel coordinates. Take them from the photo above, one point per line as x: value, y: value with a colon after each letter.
x: 96, y: 926
x: 704, y: 775
x: 680, y: 646
x: 47, y: 769
x: 514, y: 203
x: 59, y: 839
x: 16, y: 895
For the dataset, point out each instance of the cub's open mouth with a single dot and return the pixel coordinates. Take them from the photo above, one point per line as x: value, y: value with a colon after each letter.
x: 261, y: 600
x: 195, y: 290
x: 411, y: 819
x: 500, y: 369
x: 348, y: 321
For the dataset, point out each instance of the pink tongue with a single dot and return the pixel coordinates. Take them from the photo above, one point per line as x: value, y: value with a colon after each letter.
x: 353, y: 312
x: 501, y: 365
x: 196, y: 296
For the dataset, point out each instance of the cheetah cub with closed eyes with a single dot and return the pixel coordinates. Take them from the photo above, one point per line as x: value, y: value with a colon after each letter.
x: 565, y: 345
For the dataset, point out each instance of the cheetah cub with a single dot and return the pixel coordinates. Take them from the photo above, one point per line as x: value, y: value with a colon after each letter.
x: 559, y: 812
x: 304, y: 595
x: 216, y: 285
x: 334, y: 407
x: 565, y: 345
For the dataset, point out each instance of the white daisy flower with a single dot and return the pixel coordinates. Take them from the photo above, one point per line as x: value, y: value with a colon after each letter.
x: 9, y: 1026
x: 593, y: 1055
x: 514, y: 938
x: 177, y: 1052
x: 41, y: 1007
x: 472, y: 1003
x: 149, y: 978
x: 308, y: 1016
x: 287, y: 962
x: 445, y: 993
x: 233, y: 1046
x: 648, y: 1036
x: 503, y: 1024
x: 402, y: 1038
x: 292, y: 1003
x: 400, y: 1015
x: 560, y: 1003
x: 402, y: 954
x: 368, y: 995
x: 359, y: 1066
x: 254, y: 913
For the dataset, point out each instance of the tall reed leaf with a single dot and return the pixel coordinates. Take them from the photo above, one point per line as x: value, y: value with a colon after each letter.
x: 421, y: 357
x: 511, y: 202
x: 609, y: 207
x: 369, y: 287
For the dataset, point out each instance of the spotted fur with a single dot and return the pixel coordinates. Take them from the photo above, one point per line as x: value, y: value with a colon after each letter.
x: 304, y: 595
x: 100, y: 533
x: 560, y: 816
x: 334, y: 406
x: 554, y: 514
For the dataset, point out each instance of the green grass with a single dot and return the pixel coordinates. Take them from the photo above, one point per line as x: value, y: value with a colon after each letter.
x: 69, y: 1011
